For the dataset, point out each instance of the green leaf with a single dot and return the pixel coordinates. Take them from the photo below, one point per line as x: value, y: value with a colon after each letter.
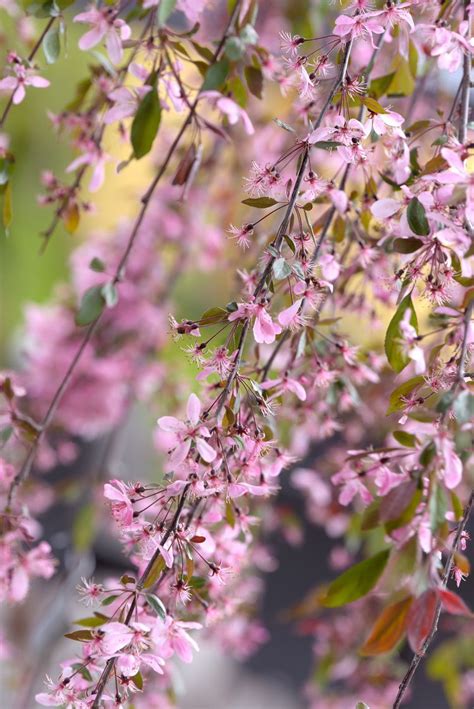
x: 403, y: 83
x: 155, y: 572
x: 82, y: 635
x: 109, y: 600
x: 259, y: 202
x: 52, y: 45
x: 97, y: 265
x: 394, y: 345
x: 92, y: 622
x: 157, y: 605
x: 137, y: 680
x: 396, y: 397
x: 234, y: 48
x: 357, y: 581
x: 372, y: 105
x: 91, y: 307
x: 409, y: 440
x: 281, y: 269
x: 416, y: 216
x: 254, y: 79
x: 110, y: 294
x: 146, y: 122
x: 7, y: 210
x: 463, y: 407
x: 216, y: 76
x: 407, y: 246
x: 437, y: 506
x: 378, y: 87
x: 165, y: 9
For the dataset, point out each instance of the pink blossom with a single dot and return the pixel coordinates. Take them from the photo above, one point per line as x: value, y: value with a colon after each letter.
x: 105, y: 24
x: 122, y: 508
x: 22, y: 76
x: 185, y: 433
x: 230, y: 109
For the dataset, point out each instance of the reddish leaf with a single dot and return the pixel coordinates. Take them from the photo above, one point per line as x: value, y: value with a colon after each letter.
x: 396, y: 501
x: 421, y: 618
x: 388, y: 629
x: 198, y: 539
x: 452, y: 603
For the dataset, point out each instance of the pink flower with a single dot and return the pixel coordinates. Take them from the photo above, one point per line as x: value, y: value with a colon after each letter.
x: 285, y: 383
x: 22, y: 76
x: 290, y: 317
x: 452, y: 465
x: 119, y: 494
x: 231, y: 110
x: 105, y: 23
x: 264, y: 329
x: 126, y: 102
x: 96, y: 158
x: 172, y: 637
x: 358, y: 26
x: 188, y: 432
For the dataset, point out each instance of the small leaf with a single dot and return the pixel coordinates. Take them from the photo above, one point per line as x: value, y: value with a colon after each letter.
x: 407, y: 246
x: 452, y: 603
x: 92, y: 622
x: 372, y: 105
x: 7, y: 210
x: 259, y: 202
x: 421, y: 618
x: 234, y: 48
x: 216, y: 76
x: 52, y: 45
x: 394, y: 504
x: 91, y: 307
x: 146, y: 122
x: 281, y: 269
x: 388, y: 629
x: 71, y: 217
x: 394, y: 340
x: 463, y: 407
x: 155, y: 572
x: 97, y: 265
x: 213, y: 316
x: 137, y: 680
x: 254, y: 79
x: 397, y: 395
x: 109, y: 600
x: 110, y: 294
x: 416, y: 216
x: 157, y: 605
x: 82, y: 635
x: 409, y: 440
x: 356, y: 581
